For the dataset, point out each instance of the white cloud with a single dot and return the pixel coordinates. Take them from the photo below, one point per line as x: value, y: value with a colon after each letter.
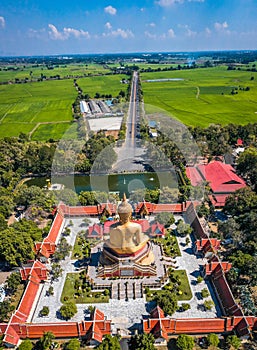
x: 207, y: 31
x: 152, y: 24
x: 171, y: 33
x: 108, y: 25
x: 76, y: 33
x: 55, y: 34
x: 111, y: 10
x: 39, y: 34
x: 125, y: 34
x: 150, y: 35
x: 220, y: 26
x: 188, y: 32
x: 2, y: 22
x: 66, y: 33
x: 167, y: 3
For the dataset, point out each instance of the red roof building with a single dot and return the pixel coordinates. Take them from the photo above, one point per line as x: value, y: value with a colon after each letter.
x: 95, y: 231
x: 144, y: 224
x: 107, y: 225
x: 221, y: 177
x: 194, y: 175
x: 157, y: 230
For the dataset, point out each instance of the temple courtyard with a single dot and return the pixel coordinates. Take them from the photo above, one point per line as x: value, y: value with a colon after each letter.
x: 126, y: 312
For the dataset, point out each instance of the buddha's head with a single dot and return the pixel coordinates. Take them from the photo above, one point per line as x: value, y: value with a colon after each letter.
x: 124, y: 210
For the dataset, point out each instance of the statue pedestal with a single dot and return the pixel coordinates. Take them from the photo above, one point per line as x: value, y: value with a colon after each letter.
x: 138, y: 263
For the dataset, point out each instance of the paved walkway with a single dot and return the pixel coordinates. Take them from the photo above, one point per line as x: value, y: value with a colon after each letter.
x: 192, y: 264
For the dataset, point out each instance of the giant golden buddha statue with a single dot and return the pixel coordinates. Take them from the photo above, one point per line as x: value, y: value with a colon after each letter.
x: 126, y: 237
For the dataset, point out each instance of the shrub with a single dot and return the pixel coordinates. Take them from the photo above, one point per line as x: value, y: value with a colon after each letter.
x: 44, y: 311
x: 208, y: 304
x: 185, y: 306
x: 199, y: 279
x: 205, y: 293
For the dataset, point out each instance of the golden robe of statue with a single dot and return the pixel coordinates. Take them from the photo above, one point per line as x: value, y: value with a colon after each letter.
x: 126, y: 237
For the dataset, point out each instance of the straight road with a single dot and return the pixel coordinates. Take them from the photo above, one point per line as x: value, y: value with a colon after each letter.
x: 129, y: 155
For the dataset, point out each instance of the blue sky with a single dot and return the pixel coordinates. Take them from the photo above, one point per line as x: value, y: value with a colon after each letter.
x: 35, y: 27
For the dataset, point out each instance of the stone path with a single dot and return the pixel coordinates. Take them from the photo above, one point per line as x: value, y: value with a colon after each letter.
x: 192, y: 264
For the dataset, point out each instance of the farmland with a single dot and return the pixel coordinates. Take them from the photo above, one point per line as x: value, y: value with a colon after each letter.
x: 24, y: 107
x: 44, y: 109
x: 108, y: 84
x: 34, y: 72
x: 203, y: 96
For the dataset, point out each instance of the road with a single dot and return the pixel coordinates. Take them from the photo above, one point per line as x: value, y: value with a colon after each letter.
x: 129, y: 155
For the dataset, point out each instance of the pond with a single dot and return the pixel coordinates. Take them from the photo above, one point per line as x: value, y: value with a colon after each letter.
x: 112, y: 183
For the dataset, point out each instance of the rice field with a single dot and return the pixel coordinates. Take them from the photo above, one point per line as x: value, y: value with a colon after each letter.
x: 203, y: 96
x: 10, y: 73
x: 44, y: 109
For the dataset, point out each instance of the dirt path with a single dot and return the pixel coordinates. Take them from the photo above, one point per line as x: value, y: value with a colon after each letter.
x: 197, y: 93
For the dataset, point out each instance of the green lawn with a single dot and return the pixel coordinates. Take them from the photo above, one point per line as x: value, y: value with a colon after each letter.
x: 184, y: 287
x: 203, y: 96
x: 69, y: 292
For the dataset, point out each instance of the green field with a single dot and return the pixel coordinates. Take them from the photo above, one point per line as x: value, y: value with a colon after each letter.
x: 10, y: 73
x: 44, y: 109
x: 24, y: 106
x: 109, y: 84
x: 203, y: 96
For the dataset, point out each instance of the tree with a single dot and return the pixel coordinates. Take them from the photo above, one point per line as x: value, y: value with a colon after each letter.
x: 68, y: 310
x: 73, y: 344
x: 169, y: 195
x: 26, y: 345
x: 56, y: 271
x: 183, y: 228
x: 165, y: 218
x: 213, y: 339
x: 240, y: 202
x: 247, y: 164
x: 34, y: 195
x: 13, y: 281
x: 167, y: 301
x: 142, y: 341
x: 46, y: 340
x: 17, y: 242
x: 67, y: 196
x: 233, y: 342
x: 109, y: 343
x: 62, y: 250
x: 185, y: 342
x: 5, y: 309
